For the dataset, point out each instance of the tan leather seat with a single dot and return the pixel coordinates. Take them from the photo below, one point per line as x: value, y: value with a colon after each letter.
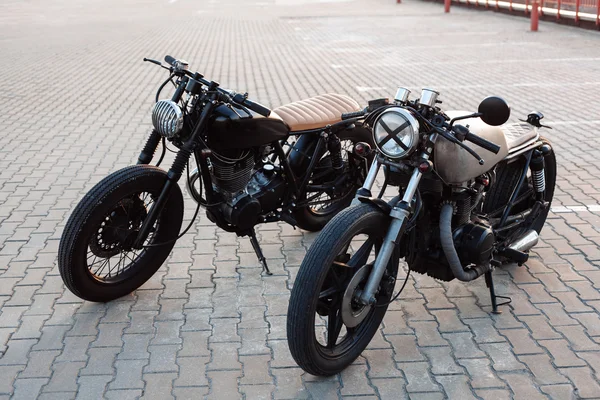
x: 316, y: 112
x: 518, y: 134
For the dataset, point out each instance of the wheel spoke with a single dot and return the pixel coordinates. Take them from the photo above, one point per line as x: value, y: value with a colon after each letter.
x: 94, y: 261
x: 327, y: 293
x: 117, y: 266
x: 338, y: 280
x: 362, y: 254
x: 127, y: 255
x: 102, y: 266
x: 334, y: 326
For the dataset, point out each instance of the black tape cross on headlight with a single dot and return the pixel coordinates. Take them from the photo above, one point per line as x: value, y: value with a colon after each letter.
x: 393, y: 134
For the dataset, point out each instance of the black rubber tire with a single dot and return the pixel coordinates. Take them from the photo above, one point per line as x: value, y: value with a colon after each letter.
x: 313, y: 271
x: 507, y: 177
x: 312, y: 222
x: 89, y: 213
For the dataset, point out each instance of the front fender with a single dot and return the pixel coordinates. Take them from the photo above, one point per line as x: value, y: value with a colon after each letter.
x: 386, y: 208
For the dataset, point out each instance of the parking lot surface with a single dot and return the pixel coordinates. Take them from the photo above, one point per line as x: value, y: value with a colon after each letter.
x: 75, y: 105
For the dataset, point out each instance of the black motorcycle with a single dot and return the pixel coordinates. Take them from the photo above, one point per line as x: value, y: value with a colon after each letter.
x: 473, y: 193
x: 251, y: 165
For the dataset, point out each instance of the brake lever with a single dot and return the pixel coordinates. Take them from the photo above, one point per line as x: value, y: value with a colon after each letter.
x: 156, y: 62
x: 448, y: 136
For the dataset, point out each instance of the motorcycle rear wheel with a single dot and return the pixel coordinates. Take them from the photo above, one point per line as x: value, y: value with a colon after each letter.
x: 102, y: 228
x: 323, y: 280
x: 314, y: 217
x: 507, y: 178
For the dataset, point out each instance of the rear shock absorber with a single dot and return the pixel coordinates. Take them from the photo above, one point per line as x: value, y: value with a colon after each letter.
x: 538, y: 175
x: 335, y: 150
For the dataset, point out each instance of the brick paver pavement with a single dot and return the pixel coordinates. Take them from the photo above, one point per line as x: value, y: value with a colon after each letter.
x: 74, y: 106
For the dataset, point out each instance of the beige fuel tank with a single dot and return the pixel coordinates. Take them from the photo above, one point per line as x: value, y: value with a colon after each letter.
x: 455, y: 165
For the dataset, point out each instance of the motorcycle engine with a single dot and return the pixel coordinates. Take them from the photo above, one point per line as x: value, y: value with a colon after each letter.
x: 248, y: 192
x: 268, y: 187
x: 474, y: 243
x: 473, y: 237
x: 231, y: 173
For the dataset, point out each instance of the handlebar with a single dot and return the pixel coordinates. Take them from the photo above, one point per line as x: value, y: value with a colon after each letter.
x: 181, y: 66
x: 170, y: 60
x: 463, y: 133
x: 256, y: 107
x: 483, y: 143
x: 355, y: 114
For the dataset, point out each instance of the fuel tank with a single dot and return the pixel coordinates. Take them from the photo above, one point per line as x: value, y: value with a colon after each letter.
x: 235, y: 127
x: 455, y: 165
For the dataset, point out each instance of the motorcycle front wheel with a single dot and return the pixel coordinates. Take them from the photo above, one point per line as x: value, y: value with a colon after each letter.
x: 326, y: 328
x: 96, y: 259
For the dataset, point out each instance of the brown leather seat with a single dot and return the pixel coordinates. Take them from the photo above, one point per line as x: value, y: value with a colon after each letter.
x: 316, y: 112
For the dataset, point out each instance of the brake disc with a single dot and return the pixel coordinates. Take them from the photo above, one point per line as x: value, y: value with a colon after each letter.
x: 353, y: 312
x: 116, y: 227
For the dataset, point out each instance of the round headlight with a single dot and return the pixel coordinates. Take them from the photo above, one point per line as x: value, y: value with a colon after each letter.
x: 167, y: 118
x: 396, y: 132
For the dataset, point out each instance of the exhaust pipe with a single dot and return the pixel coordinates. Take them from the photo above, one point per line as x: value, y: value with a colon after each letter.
x: 447, y: 241
x: 525, y: 242
x: 191, y: 186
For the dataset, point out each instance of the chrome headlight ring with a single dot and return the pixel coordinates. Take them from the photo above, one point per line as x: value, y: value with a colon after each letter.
x: 396, y: 132
x: 167, y: 118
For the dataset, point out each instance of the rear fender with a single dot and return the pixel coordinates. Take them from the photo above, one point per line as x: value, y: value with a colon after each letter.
x: 303, y: 151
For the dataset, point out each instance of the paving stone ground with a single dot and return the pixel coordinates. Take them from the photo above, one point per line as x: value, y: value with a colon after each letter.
x: 74, y: 106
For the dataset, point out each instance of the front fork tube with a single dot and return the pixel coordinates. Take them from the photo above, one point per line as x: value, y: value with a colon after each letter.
x: 173, y: 176
x: 150, y: 147
x: 365, y: 190
x: 400, y: 215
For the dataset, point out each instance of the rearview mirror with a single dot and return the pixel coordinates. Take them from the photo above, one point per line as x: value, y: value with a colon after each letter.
x: 494, y: 110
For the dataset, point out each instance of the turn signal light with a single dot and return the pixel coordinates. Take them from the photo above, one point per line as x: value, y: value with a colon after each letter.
x: 425, y: 166
x: 362, y: 149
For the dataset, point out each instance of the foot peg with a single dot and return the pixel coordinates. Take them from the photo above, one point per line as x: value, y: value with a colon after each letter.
x: 258, y: 251
x: 515, y: 255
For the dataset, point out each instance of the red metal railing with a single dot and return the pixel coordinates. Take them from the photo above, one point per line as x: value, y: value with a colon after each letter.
x: 577, y: 10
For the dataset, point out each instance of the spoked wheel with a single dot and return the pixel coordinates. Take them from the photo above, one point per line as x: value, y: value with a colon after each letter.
x: 327, y: 327
x: 330, y: 191
x: 96, y: 257
x: 110, y: 252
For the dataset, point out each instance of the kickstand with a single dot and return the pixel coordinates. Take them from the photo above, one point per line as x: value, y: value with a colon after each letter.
x: 258, y: 251
x: 489, y: 282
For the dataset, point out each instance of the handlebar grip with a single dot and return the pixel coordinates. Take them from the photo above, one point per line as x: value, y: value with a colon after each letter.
x: 170, y: 60
x: 483, y: 143
x: 257, y: 108
x: 354, y: 114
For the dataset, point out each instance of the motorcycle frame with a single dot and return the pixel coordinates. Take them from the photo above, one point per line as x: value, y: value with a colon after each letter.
x: 194, y: 144
x: 400, y: 212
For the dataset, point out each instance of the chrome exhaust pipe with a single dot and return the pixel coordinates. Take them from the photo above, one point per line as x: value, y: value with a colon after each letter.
x: 190, y: 185
x: 525, y: 242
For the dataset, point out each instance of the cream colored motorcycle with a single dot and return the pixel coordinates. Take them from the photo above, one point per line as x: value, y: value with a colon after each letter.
x: 474, y: 192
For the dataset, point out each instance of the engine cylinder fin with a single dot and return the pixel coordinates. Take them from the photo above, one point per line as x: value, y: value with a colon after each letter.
x: 232, y: 176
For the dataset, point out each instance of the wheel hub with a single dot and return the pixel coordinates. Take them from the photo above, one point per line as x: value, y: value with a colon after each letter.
x: 354, y: 312
x: 119, y: 229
